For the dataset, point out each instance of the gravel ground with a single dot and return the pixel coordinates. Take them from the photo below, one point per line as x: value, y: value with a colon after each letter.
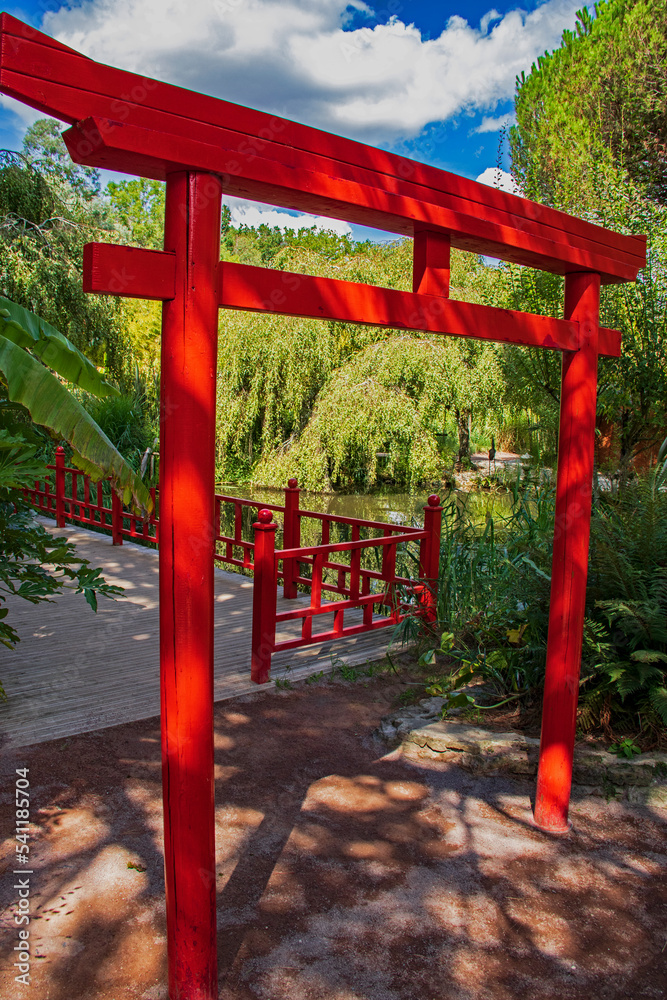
x: 344, y: 872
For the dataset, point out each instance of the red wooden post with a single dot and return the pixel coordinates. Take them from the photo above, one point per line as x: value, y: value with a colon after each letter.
x: 429, y: 557
x: 570, y: 556
x: 291, y: 538
x: 430, y: 262
x: 264, y: 593
x: 155, y: 517
x: 60, y: 486
x: 116, y: 518
x: 187, y: 488
x: 216, y: 523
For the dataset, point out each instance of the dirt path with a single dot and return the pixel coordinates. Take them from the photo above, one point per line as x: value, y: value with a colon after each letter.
x: 343, y: 872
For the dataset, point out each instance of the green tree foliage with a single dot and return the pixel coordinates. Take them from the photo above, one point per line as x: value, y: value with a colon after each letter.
x: 302, y: 395
x: 138, y: 209
x: 590, y: 138
x: 633, y: 388
x: 43, y: 228
x: 598, y: 103
x: 381, y: 411
x: 44, y: 149
x: 27, y: 346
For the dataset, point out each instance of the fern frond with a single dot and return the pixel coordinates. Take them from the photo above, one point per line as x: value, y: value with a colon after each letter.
x: 658, y: 698
x: 649, y: 656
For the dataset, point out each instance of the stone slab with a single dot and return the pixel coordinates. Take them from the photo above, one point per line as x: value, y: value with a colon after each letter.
x: 423, y: 735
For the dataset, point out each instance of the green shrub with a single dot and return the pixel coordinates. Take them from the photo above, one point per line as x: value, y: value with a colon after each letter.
x: 123, y: 420
x: 493, y: 603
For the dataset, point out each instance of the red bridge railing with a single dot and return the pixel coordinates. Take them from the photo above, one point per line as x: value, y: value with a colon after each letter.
x: 357, y: 587
x: 70, y: 496
x: 360, y: 572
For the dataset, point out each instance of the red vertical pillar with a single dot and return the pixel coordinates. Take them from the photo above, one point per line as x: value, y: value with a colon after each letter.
x: 429, y: 558
x: 60, y: 486
x: 430, y: 263
x: 574, y: 483
x: 116, y: 519
x: 187, y: 434
x: 429, y: 550
x: 291, y: 538
x: 264, y: 593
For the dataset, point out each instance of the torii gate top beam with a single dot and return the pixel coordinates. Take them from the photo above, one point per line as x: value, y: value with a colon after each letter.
x: 155, y: 129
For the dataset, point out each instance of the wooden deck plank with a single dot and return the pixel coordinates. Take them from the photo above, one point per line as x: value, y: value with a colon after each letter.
x: 75, y: 671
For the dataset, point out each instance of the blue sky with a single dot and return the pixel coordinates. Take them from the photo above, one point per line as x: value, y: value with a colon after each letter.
x: 431, y: 80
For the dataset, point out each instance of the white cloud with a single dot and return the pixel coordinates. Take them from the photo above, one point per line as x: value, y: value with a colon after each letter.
x: 497, y: 178
x: 249, y: 214
x: 489, y: 17
x: 380, y: 83
x: 490, y: 124
x: 25, y: 116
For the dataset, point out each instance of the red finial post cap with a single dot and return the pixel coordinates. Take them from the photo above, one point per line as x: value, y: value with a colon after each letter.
x: 264, y: 516
x: 292, y: 484
x: 434, y: 500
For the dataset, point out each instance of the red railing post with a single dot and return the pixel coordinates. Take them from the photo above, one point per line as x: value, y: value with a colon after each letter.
x: 574, y: 485
x: 60, y: 486
x: 429, y: 557
x: 116, y: 518
x: 187, y: 489
x: 264, y: 594
x: 291, y: 538
x: 216, y: 524
x: 155, y: 516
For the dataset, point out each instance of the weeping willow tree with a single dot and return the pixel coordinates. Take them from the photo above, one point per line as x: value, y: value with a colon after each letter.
x: 381, y: 412
x: 320, y: 399
x: 271, y: 368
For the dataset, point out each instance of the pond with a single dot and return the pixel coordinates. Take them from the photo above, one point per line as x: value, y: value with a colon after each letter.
x: 389, y: 508
x: 392, y: 508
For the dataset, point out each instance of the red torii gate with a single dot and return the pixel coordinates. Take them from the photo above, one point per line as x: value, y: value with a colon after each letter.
x: 203, y: 147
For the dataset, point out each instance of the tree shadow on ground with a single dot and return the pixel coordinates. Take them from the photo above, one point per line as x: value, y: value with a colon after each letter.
x: 342, y: 872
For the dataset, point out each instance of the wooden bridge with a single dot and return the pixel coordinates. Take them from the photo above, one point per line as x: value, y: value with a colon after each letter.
x: 75, y: 671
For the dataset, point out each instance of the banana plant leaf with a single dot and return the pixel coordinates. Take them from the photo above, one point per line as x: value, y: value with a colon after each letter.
x: 50, y: 404
x: 25, y: 329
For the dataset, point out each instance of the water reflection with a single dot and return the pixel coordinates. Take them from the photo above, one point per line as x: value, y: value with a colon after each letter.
x: 392, y: 508
x: 388, y: 508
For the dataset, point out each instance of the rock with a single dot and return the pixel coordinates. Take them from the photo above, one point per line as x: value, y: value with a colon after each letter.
x: 595, y: 772
x: 387, y: 731
x: 621, y: 772
x: 589, y: 767
x: 432, y: 706
x: 657, y: 796
x: 461, y: 736
x: 520, y: 764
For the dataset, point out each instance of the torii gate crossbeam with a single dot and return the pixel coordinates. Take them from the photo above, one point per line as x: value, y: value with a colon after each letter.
x: 202, y: 148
